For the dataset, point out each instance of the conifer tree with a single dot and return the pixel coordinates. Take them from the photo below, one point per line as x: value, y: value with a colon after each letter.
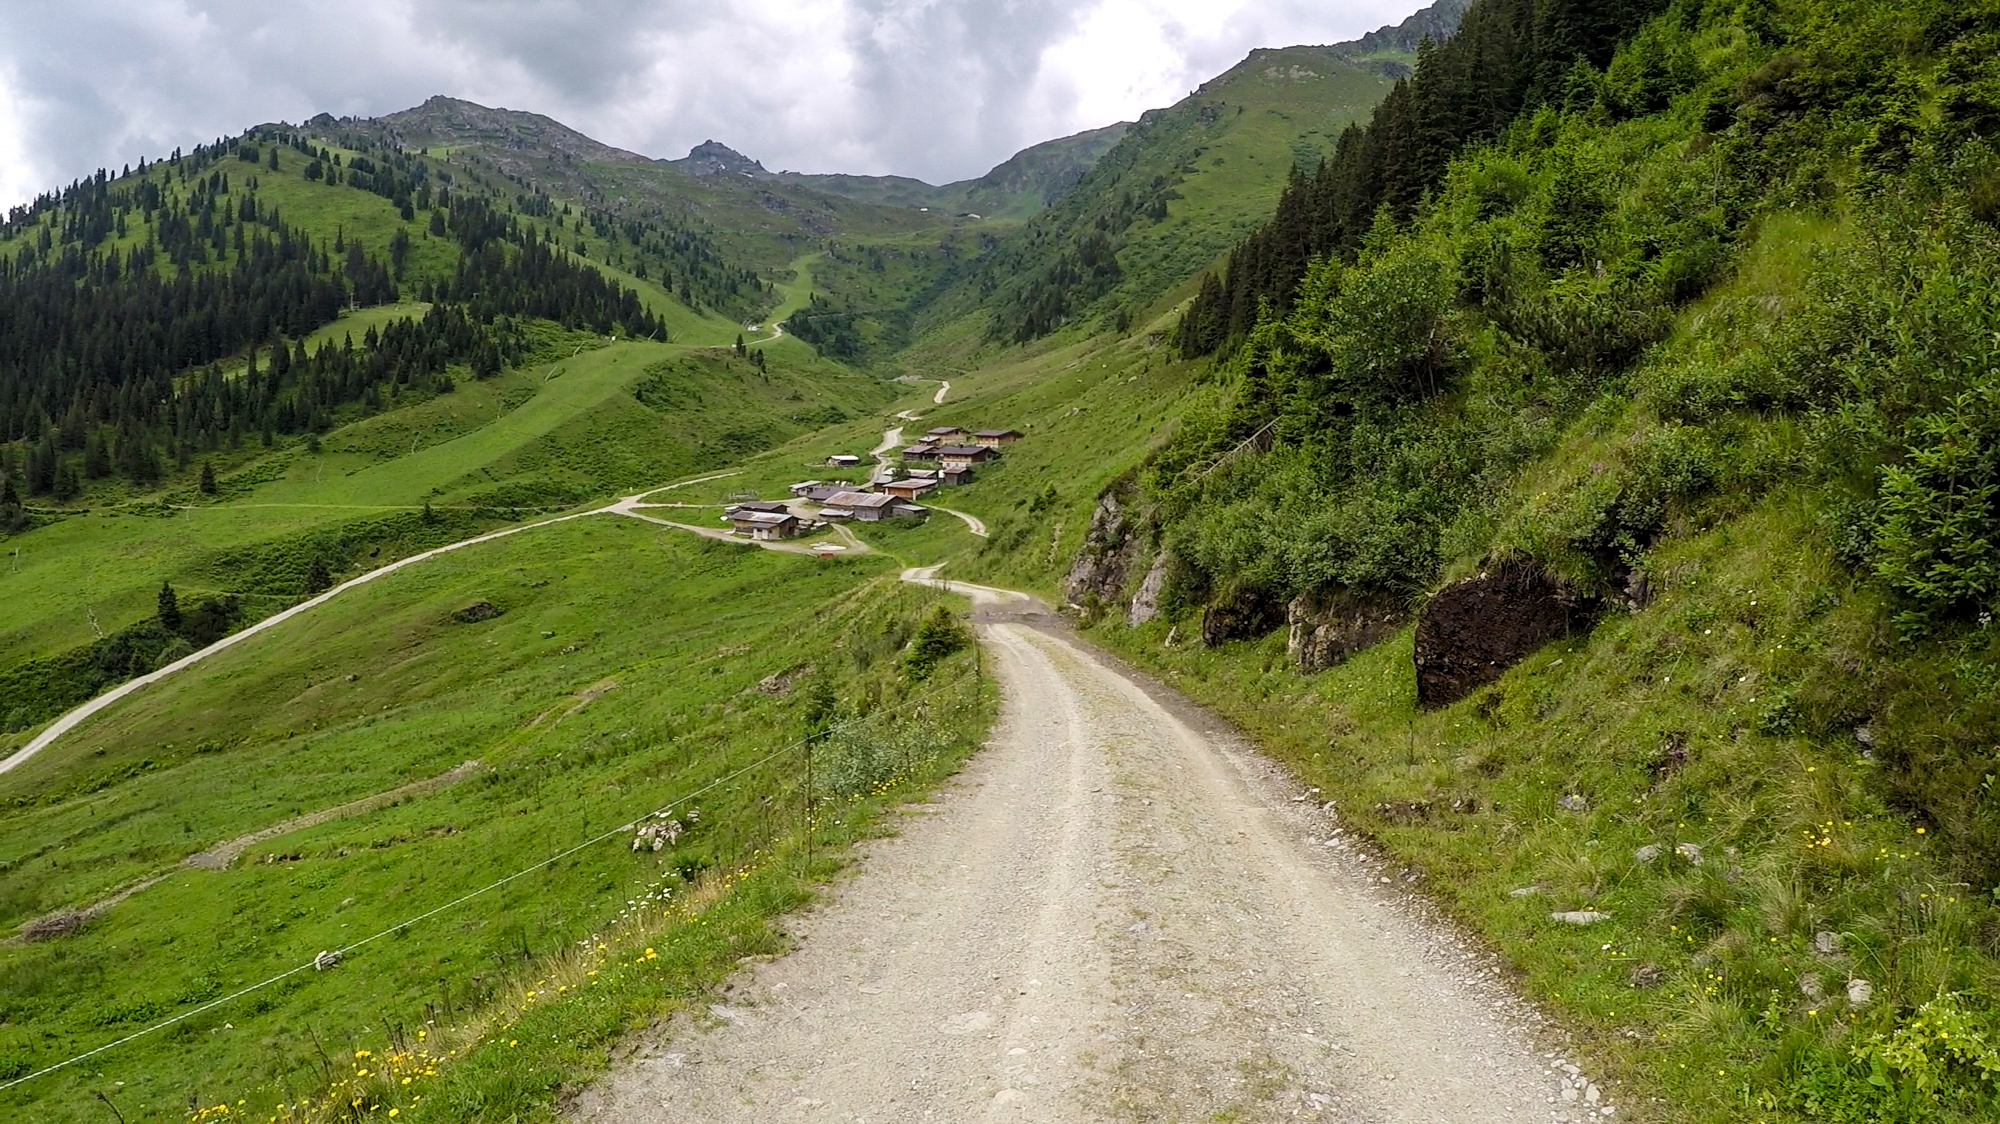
x: 207, y: 479
x: 169, y: 614
x: 318, y: 580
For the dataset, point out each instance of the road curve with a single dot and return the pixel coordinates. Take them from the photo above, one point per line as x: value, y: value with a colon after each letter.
x: 942, y: 391
x: 1119, y: 912
x: 973, y: 523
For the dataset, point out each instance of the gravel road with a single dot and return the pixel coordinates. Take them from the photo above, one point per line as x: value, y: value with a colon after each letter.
x: 1117, y: 913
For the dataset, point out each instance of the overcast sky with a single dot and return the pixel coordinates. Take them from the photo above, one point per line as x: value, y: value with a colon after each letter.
x: 938, y: 89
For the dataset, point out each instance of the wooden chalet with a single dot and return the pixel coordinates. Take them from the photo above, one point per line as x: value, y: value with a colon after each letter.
x: 962, y: 455
x: 864, y: 507
x: 764, y: 526
x: 910, y: 489
x: 994, y: 438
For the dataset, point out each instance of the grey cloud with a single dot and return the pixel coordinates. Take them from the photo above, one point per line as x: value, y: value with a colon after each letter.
x: 951, y: 117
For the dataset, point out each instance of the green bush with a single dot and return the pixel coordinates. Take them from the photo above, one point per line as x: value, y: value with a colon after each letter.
x: 858, y: 759
x: 1937, y: 539
x: 1942, y: 1059
x: 938, y: 637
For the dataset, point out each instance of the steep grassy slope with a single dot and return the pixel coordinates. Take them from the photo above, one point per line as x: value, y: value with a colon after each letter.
x: 1718, y: 368
x: 1179, y: 188
x: 590, y: 697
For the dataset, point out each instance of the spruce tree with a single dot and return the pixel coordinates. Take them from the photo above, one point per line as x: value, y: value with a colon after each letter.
x: 318, y: 580
x: 207, y: 479
x: 170, y: 609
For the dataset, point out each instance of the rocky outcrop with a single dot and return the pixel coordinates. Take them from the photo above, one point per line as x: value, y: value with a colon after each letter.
x: 1474, y: 630
x: 1104, y: 562
x: 1244, y: 613
x: 1328, y: 628
x: 1146, y: 602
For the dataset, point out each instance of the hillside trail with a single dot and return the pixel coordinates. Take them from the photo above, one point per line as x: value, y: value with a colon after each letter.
x: 885, y: 469
x: 75, y: 717
x: 972, y: 522
x: 943, y: 389
x: 1118, y: 912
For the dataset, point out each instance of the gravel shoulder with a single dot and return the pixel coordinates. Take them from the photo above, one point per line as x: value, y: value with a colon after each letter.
x: 1119, y: 912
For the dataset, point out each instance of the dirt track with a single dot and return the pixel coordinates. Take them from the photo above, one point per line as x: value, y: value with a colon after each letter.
x: 1118, y: 913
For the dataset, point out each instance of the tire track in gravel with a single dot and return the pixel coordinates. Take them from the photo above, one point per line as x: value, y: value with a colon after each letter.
x: 1119, y: 912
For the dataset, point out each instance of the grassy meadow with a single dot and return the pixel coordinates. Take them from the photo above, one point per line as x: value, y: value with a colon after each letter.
x: 597, y: 694
x: 603, y: 421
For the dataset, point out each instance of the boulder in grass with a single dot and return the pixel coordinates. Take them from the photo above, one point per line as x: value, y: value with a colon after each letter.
x: 1579, y: 916
x: 476, y: 612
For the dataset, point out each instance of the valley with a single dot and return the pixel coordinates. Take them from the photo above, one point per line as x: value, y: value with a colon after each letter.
x: 1473, y: 605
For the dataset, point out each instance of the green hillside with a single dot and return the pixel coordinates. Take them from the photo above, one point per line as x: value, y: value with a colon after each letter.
x: 1180, y: 187
x: 761, y: 224
x: 588, y: 699
x: 1692, y: 357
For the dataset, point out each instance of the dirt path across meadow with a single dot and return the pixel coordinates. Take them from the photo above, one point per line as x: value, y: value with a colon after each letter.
x: 1119, y: 912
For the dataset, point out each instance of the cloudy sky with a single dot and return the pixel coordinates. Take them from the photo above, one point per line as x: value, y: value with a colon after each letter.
x: 938, y: 89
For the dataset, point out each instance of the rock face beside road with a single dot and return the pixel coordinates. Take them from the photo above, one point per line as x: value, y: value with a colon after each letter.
x: 1241, y: 614
x: 1104, y: 563
x: 1325, y: 629
x: 1474, y: 630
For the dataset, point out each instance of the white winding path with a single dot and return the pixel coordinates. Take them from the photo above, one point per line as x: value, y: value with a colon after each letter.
x: 74, y: 718
x: 885, y: 469
x: 972, y: 522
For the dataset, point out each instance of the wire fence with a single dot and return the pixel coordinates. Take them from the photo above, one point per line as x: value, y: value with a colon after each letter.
x: 803, y: 749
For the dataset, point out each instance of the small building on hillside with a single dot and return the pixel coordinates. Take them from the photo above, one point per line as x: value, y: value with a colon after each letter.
x: 767, y: 507
x: 956, y: 475
x: 764, y: 526
x: 911, y: 489
x: 865, y: 507
x: 804, y: 486
x: 922, y: 452
x: 945, y: 433
x: 962, y: 455
x: 843, y: 460
x: 994, y: 438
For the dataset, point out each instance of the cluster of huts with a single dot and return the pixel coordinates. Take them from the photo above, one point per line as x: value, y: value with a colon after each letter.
x: 955, y: 451
x: 945, y: 457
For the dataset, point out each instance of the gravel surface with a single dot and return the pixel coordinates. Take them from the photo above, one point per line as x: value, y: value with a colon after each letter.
x: 1119, y: 912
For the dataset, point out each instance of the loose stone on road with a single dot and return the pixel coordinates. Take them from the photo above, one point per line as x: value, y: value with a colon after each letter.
x: 1118, y: 912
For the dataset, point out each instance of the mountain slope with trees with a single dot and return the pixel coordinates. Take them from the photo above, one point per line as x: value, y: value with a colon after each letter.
x: 1179, y: 188
x: 1661, y: 338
